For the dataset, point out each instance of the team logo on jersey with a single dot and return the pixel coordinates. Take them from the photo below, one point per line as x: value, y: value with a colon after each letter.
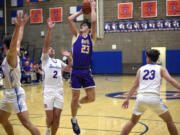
x: 164, y: 95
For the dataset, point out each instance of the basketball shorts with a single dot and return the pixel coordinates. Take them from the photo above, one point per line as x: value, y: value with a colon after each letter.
x: 152, y: 101
x: 14, y: 104
x: 81, y: 78
x: 53, y: 100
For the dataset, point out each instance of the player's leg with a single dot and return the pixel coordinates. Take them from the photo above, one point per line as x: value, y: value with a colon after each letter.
x: 130, y: 124
x: 169, y: 122
x: 89, y: 86
x: 138, y: 110
x: 56, y: 119
x: 5, y: 123
x: 20, y: 109
x: 74, y: 102
x: 74, y: 108
x: 76, y: 86
x: 48, y: 100
x: 90, y: 96
x: 161, y: 109
x: 57, y: 109
x: 24, y: 118
x: 49, y: 121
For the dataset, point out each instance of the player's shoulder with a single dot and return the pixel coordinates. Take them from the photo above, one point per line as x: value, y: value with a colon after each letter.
x: 76, y: 36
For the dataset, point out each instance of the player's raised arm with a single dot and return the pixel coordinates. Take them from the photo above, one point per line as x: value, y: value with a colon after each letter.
x: 167, y: 76
x: 133, y: 89
x: 12, y: 54
x: 93, y: 19
x: 21, y: 32
x: 51, y: 25
x: 72, y: 25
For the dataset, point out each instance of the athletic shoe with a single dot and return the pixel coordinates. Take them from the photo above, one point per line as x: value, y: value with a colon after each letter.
x: 75, y: 127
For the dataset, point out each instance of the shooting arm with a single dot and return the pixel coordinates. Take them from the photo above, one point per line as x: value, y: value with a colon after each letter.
x: 93, y: 20
x: 72, y: 25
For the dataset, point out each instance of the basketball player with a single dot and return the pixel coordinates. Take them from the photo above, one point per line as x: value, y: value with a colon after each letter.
x: 148, y: 79
x: 82, y: 42
x: 14, y: 95
x: 53, y: 85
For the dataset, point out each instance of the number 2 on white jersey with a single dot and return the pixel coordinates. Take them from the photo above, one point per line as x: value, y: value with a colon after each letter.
x: 55, y: 74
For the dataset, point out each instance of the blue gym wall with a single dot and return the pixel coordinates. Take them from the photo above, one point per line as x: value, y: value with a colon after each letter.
x: 173, y: 61
x: 107, y: 62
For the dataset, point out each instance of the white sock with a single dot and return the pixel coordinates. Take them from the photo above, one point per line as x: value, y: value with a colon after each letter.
x: 74, y: 119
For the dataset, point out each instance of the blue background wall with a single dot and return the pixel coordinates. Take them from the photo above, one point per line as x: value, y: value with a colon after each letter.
x: 173, y: 61
x: 107, y: 62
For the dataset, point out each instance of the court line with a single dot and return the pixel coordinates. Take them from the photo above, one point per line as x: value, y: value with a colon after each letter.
x: 40, y: 115
x: 115, y: 131
x: 115, y: 117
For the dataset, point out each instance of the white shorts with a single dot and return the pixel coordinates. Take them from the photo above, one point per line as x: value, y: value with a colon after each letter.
x: 53, y: 100
x: 16, y: 104
x: 151, y: 101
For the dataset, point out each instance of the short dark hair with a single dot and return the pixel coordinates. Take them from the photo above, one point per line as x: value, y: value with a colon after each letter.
x: 86, y: 22
x: 7, y: 42
x: 153, y: 54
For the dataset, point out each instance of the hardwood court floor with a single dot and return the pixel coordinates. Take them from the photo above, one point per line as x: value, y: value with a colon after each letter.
x: 103, y: 117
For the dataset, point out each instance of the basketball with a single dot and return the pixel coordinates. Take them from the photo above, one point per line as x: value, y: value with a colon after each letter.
x: 86, y: 7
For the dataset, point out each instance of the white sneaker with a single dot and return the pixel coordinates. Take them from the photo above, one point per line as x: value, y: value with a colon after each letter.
x: 48, y: 131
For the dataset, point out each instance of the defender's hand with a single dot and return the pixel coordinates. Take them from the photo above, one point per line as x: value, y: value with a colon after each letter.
x: 125, y: 104
x: 51, y: 24
x: 21, y: 20
x: 65, y: 53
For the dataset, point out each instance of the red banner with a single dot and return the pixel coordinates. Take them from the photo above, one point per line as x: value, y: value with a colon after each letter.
x: 36, y: 16
x: 125, y: 10
x: 173, y: 8
x: 56, y: 14
x: 149, y: 9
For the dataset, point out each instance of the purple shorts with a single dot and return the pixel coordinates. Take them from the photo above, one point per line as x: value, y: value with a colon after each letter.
x: 81, y: 78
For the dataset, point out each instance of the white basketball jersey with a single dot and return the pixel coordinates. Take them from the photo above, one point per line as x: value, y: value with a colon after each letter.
x: 52, y: 72
x: 150, y: 79
x: 12, y: 77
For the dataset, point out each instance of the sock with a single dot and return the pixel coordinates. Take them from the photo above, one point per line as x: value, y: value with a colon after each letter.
x: 74, y: 119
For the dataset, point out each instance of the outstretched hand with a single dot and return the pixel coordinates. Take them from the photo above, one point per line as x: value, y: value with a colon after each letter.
x: 21, y: 19
x: 51, y: 24
x: 125, y: 104
x: 65, y: 53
